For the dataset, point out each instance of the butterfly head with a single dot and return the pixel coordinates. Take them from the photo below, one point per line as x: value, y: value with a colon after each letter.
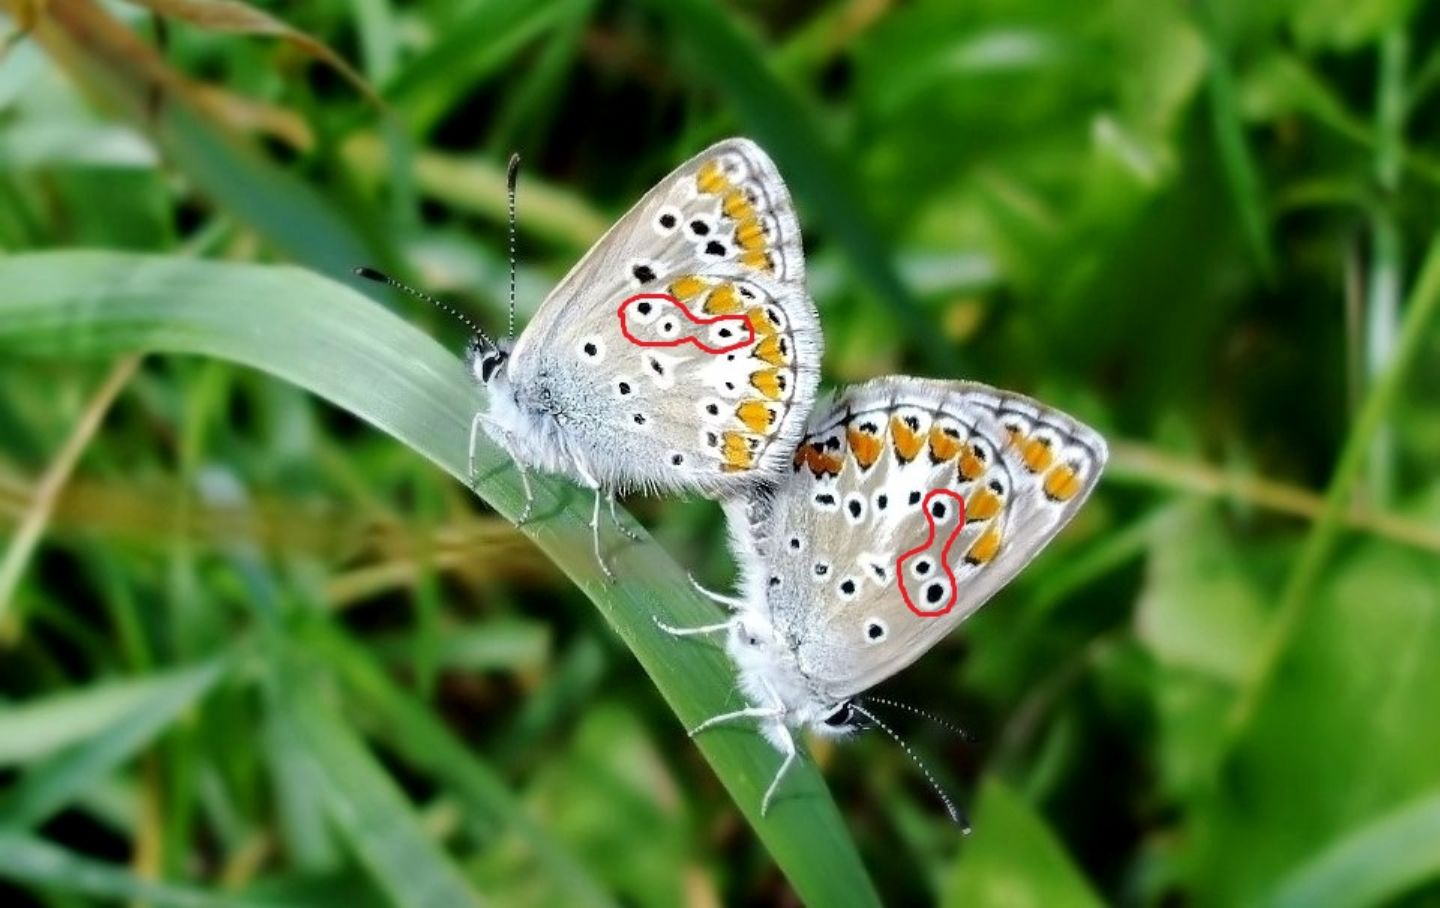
x: 486, y: 358
x: 842, y: 719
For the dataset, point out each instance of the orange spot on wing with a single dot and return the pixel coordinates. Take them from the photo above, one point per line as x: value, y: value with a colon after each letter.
x: 737, y: 451
x: 750, y: 234
x: 767, y: 382
x: 1037, y: 454
x: 761, y: 321
x: 820, y: 462
x: 768, y: 350
x: 943, y: 445
x: 971, y: 467
x: 722, y: 301
x: 686, y: 287
x: 984, y: 549
x: 1061, y: 483
x: 756, y: 259
x: 983, y: 505
x: 907, y: 441
x: 866, y: 446
x: 756, y: 416
x: 710, y: 180
x: 736, y: 206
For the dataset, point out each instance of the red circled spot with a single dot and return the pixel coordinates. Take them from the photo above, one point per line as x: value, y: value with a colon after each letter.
x: 694, y: 319
x: 944, y: 554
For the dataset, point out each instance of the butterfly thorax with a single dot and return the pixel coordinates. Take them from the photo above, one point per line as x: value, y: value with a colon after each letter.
x: 768, y: 670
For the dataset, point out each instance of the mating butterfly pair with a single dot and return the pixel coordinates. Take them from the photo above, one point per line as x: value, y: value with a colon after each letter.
x: 682, y: 354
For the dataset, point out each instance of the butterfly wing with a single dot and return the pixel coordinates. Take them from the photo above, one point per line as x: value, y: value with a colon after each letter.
x: 709, y: 389
x: 859, y: 584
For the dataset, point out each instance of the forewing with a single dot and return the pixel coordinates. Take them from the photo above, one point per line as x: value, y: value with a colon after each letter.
x: 724, y: 211
x: 850, y: 524
x: 708, y: 389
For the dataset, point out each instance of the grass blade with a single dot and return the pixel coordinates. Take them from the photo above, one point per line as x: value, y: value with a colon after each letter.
x: 425, y: 740
x: 368, y: 808
x: 39, y: 728
x: 1296, y: 598
x: 338, y: 344
x: 1229, y: 130
x: 42, y: 504
x: 37, y: 863
x: 50, y: 786
x: 1372, y: 865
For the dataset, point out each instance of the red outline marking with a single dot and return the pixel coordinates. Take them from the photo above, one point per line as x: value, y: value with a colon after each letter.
x: 689, y: 338
x: 944, y: 554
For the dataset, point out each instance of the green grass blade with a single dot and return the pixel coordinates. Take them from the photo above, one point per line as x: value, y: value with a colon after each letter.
x: 368, y: 808
x: 425, y: 740
x: 35, y: 862
x: 39, y: 728
x: 1374, y: 864
x: 1235, y: 156
x: 1296, y: 599
x: 51, y: 785
x: 331, y: 340
x: 774, y: 115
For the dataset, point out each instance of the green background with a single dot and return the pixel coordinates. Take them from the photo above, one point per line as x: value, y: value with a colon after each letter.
x: 258, y: 646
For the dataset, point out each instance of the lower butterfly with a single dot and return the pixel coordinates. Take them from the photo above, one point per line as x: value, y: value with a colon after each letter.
x: 909, y: 504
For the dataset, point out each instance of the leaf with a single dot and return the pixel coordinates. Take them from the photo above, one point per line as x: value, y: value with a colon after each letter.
x: 368, y: 808
x: 1336, y: 743
x: 425, y: 741
x: 236, y: 18
x: 35, y: 862
x: 331, y: 340
x: 1371, y: 865
x: 48, y: 787
x: 1013, y: 859
x: 37, y: 729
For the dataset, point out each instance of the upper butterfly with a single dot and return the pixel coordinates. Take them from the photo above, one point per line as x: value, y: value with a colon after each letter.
x: 910, y: 503
x: 616, y: 382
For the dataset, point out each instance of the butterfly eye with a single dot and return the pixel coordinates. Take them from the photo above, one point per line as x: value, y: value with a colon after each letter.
x: 841, y: 716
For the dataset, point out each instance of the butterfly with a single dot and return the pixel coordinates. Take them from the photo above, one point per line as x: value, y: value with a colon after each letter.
x: 681, y: 354
x: 910, y: 503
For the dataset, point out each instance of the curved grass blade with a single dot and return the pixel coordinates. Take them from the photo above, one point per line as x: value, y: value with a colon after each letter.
x: 425, y: 740
x: 50, y: 786
x: 1373, y: 865
x: 38, y: 729
x: 331, y: 340
x: 36, y: 862
x: 367, y: 807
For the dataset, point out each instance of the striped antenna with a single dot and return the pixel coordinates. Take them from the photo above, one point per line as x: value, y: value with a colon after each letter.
x: 512, y: 173
x: 380, y: 277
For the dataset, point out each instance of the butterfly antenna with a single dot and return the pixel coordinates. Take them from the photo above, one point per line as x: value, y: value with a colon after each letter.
x: 956, y: 815
x: 946, y: 724
x: 512, y: 174
x: 380, y: 277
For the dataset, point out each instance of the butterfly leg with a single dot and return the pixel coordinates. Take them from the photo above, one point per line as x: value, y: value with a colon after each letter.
x: 519, y: 467
x: 750, y: 712
x: 529, y: 495
x: 785, y: 765
x: 594, y: 485
x: 730, y: 602
x: 615, y: 519
x: 695, y: 631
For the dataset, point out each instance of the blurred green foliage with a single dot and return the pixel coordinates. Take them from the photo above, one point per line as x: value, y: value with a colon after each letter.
x: 254, y: 652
